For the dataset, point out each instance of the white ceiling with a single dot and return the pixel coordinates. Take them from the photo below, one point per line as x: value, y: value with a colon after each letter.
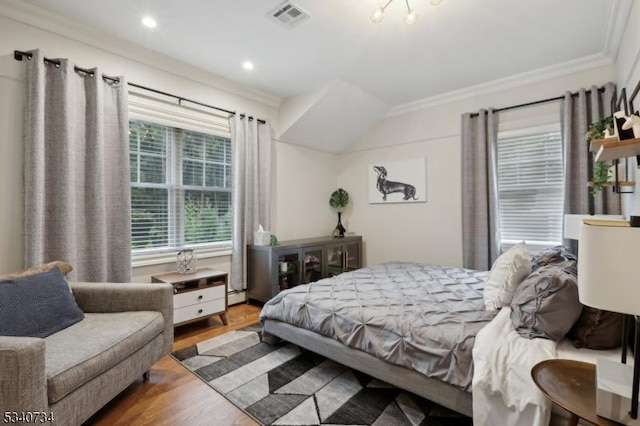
x: 455, y: 45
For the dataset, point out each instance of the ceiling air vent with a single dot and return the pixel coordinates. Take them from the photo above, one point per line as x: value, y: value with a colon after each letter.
x: 288, y: 14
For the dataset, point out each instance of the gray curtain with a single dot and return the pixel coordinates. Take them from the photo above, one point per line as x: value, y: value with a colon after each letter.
x: 480, y: 228
x: 251, y: 143
x: 577, y: 113
x: 76, y: 172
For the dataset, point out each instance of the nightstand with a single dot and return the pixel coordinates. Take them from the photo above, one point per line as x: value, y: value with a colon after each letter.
x: 572, y: 385
x: 197, y: 296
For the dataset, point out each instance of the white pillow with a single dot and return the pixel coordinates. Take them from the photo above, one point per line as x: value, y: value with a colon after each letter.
x: 509, y: 269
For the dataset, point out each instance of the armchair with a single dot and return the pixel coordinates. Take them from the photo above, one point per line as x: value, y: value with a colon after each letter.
x: 71, y: 374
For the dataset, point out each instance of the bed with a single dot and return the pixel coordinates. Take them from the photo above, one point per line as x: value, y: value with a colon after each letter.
x: 423, y: 328
x: 409, y: 324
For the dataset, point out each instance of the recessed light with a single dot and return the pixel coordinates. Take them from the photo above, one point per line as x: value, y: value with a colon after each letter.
x: 148, y: 21
x: 247, y: 65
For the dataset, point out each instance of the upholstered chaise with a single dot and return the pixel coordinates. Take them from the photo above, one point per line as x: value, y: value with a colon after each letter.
x: 74, y: 372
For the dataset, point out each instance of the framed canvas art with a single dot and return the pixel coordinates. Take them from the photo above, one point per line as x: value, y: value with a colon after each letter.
x: 398, y: 181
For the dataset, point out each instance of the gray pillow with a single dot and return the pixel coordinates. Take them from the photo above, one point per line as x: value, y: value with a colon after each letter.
x: 546, y: 303
x: 37, y: 306
x: 551, y: 256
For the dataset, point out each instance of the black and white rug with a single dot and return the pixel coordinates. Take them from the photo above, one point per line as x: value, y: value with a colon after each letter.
x: 287, y: 385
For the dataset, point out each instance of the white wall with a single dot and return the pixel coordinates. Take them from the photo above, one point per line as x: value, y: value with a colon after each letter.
x: 628, y: 57
x: 415, y: 231
x: 432, y: 231
x: 304, y: 178
x: 628, y: 61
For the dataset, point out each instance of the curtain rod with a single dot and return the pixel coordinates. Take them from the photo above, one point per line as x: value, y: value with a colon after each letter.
x: 19, y: 55
x: 542, y: 101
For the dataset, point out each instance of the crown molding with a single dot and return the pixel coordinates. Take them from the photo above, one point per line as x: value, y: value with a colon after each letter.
x: 40, y: 18
x: 619, y: 12
x: 517, y: 80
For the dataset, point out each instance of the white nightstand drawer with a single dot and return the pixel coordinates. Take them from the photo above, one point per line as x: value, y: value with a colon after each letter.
x: 199, y: 310
x: 188, y: 298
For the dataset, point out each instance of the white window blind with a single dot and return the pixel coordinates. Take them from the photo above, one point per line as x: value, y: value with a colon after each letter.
x: 530, y: 188
x: 180, y: 187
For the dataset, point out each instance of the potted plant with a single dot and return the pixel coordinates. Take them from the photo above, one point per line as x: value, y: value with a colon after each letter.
x: 600, y: 177
x: 339, y: 200
x: 598, y: 130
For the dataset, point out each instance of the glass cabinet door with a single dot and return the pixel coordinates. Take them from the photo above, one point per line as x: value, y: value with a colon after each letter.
x: 335, y: 259
x: 311, y: 265
x: 288, y: 271
x: 352, y: 257
x: 342, y: 258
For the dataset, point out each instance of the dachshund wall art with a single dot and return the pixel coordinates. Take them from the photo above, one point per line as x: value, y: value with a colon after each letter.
x: 387, y: 187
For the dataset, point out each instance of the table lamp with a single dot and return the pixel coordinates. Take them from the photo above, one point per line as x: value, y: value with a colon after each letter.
x: 572, y: 223
x: 608, y: 279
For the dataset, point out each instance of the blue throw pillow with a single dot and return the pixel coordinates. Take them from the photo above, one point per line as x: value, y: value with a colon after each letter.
x: 37, y: 306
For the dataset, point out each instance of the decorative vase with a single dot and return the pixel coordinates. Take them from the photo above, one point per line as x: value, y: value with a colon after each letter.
x: 186, y: 261
x: 339, y: 230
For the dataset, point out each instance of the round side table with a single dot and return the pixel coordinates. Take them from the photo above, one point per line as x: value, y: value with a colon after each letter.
x: 572, y: 385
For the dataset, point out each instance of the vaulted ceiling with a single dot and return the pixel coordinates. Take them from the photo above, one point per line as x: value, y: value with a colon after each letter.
x: 337, y: 59
x: 457, y: 44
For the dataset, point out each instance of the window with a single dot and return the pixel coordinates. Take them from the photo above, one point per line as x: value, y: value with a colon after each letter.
x: 180, y: 187
x: 530, y: 188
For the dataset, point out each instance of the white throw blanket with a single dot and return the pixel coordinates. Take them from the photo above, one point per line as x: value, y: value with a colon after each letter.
x: 503, y: 391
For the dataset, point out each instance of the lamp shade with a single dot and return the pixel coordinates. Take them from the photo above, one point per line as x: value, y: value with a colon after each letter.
x: 572, y: 223
x: 608, y: 266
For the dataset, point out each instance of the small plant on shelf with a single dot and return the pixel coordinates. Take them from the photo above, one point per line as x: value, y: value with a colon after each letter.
x: 597, y: 130
x: 600, y: 176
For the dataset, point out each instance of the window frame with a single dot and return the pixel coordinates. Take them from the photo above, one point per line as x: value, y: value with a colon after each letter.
x: 523, y: 131
x: 167, y: 113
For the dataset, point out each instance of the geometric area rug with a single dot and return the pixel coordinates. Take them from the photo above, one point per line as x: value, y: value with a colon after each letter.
x: 287, y: 385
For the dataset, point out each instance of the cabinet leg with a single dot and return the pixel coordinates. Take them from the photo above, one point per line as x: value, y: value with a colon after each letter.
x: 223, y: 317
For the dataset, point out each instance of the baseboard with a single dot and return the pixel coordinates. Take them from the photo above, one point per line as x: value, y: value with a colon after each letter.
x: 235, y: 297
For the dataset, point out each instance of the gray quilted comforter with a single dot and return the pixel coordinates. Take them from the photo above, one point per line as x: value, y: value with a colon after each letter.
x: 423, y: 317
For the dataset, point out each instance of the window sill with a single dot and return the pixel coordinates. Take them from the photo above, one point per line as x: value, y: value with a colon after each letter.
x: 148, y: 259
x: 534, y: 246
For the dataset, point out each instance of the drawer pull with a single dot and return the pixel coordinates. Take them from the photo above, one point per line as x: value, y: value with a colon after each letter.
x: 199, y: 311
x: 200, y: 297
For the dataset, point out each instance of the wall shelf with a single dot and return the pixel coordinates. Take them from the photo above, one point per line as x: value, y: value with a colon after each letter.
x: 595, y: 144
x: 620, y: 183
x: 610, y: 150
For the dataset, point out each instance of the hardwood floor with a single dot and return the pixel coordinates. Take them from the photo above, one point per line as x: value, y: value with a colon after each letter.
x: 175, y: 396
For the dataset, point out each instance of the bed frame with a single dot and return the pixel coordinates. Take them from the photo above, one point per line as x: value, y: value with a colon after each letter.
x: 434, y: 390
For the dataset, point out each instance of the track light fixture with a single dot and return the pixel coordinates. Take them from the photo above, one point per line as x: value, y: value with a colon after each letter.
x: 410, y: 18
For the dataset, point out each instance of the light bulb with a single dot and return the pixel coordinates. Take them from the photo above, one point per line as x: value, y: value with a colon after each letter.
x: 148, y: 21
x: 435, y: 2
x: 411, y: 17
x: 247, y: 65
x: 377, y: 15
